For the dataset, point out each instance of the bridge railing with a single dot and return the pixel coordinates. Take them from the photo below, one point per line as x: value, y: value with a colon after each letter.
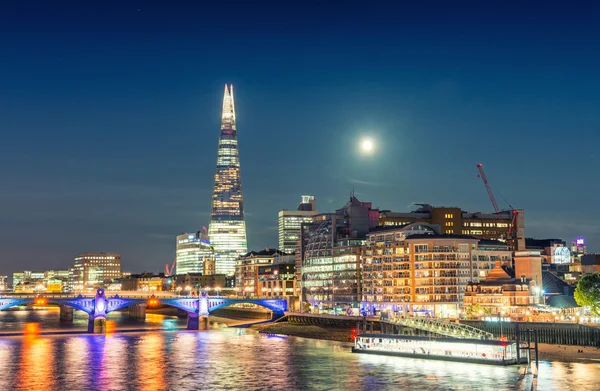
x: 450, y: 329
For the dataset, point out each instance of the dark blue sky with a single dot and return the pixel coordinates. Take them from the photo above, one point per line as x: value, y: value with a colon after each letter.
x: 109, y: 116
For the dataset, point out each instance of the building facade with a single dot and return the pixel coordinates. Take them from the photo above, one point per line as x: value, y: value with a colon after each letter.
x: 278, y: 279
x: 192, y: 252
x: 500, y: 295
x: 290, y: 223
x: 493, y: 226
x: 91, y: 271
x: 146, y: 282
x: 247, y: 270
x: 193, y: 282
x: 330, y: 256
x: 418, y: 273
x: 227, y: 229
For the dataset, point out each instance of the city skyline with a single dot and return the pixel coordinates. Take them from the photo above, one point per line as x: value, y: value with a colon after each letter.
x: 124, y: 141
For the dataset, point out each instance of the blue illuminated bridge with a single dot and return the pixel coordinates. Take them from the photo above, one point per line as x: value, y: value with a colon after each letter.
x: 98, y: 306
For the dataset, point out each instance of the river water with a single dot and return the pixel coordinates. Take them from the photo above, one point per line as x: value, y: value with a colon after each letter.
x: 235, y: 359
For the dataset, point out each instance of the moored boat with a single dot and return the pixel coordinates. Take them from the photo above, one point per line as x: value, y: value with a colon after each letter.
x: 480, y: 351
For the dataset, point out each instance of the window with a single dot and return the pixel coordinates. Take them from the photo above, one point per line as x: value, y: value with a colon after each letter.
x: 449, y: 215
x: 421, y: 248
x: 449, y: 223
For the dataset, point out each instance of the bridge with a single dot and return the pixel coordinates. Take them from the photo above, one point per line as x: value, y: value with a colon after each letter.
x: 441, y: 327
x: 99, y: 305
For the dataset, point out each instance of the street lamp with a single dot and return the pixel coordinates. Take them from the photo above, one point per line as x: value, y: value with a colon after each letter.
x: 178, y: 289
x: 218, y: 289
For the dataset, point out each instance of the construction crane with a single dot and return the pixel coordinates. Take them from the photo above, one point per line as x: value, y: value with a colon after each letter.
x: 169, y: 271
x: 512, y: 237
x: 487, y: 187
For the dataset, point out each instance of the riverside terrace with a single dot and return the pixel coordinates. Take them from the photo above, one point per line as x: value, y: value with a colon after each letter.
x: 98, y: 306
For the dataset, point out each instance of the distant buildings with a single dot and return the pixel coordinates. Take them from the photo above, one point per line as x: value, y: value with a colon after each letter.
x: 290, y: 223
x: 90, y: 271
x: 193, y: 282
x: 192, y: 252
x: 227, y: 229
x: 147, y: 282
x: 590, y: 263
x: 51, y: 281
x: 494, y: 226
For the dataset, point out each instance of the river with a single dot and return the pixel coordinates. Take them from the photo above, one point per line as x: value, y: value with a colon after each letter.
x: 235, y: 359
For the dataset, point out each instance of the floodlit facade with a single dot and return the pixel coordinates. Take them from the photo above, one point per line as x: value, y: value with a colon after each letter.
x: 414, y: 269
x: 290, y: 223
x: 227, y: 229
x: 501, y: 295
x: 193, y: 251
x: 91, y: 271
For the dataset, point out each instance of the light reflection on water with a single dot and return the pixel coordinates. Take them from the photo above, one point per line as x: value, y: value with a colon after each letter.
x: 237, y: 359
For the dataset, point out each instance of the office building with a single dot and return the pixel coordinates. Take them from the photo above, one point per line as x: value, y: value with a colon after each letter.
x: 330, y: 258
x: 91, y: 271
x: 290, y: 223
x: 493, y: 226
x: 227, y: 229
x: 192, y: 252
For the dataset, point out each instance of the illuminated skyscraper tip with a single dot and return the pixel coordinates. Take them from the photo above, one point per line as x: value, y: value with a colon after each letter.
x: 228, y: 106
x: 227, y: 229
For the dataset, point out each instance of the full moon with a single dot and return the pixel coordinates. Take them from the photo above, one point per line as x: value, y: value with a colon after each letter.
x: 366, y: 145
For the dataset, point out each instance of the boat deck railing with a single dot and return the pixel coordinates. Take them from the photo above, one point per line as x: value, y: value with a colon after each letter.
x: 442, y: 327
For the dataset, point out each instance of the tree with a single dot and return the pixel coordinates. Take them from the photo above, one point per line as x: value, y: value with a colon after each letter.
x: 587, y: 293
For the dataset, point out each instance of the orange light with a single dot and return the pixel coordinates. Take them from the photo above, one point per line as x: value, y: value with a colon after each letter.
x: 32, y: 328
x: 110, y: 326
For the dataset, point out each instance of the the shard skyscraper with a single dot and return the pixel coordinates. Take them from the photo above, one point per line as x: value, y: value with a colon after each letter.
x: 227, y: 229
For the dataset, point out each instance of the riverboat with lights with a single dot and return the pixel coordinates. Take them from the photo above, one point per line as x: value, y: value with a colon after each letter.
x: 478, y: 351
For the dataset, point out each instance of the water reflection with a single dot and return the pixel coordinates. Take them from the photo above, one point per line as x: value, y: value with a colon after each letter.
x: 150, y: 359
x: 36, y: 363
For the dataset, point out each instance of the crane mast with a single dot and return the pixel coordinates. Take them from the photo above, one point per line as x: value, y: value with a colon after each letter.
x: 513, y: 234
x: 488, y: 188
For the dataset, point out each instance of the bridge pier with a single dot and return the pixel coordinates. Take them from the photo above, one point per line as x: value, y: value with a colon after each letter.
x: 137, y: 311
x: 66, y: 313
x: 97, y: 325
x: 195, y: 322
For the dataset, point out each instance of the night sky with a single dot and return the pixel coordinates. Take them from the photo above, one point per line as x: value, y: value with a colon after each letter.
x: 110, y: 114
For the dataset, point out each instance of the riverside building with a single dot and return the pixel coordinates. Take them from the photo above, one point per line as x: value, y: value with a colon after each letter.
x: 414, y: 269
x: 330, y: 258
x: 247, y: 270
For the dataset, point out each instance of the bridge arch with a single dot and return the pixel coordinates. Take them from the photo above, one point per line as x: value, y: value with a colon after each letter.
x: 278, y: 306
